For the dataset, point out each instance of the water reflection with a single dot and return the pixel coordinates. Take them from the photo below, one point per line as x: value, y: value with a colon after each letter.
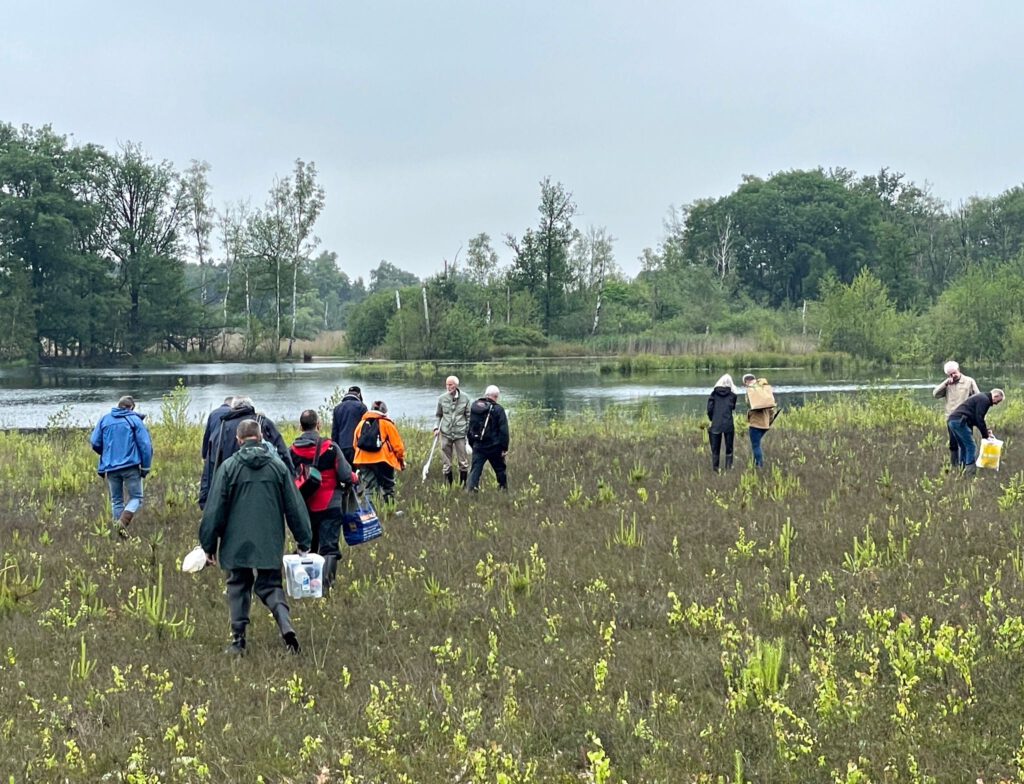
x: 29, y: 396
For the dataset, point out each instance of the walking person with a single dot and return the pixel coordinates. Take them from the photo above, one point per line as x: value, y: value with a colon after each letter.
x: 453, y: 415
x: 379, y: 451
x: 125, y: 448
x: 252, y: 496
x: 954, y: 389
x: 213, y: 422
x: 326, y: 504
x: 970, y: 414
x: 224, y: 441
x: 721, y: 404
x: 759, y: 420
x: 346, y: 416
x: 488, y: 436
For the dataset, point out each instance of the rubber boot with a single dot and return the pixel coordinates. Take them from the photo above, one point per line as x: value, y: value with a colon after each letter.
x: 330, y: 571
x: 237, y: 647
x: 284, y: 624
x: 123, y: 522
x: 463, y: 475
x: 449, y: 478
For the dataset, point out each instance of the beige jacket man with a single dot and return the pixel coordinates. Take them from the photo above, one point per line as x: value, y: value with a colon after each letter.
x: 955, y: 389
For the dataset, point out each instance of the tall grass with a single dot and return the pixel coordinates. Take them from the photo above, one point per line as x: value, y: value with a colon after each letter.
x: 852, y: 613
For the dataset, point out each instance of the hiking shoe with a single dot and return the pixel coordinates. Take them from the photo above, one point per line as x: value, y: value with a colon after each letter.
x: 237, y: 647
x: 291, y: 642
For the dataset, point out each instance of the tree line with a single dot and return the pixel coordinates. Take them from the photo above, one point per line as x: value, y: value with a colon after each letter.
x: 113, y: 253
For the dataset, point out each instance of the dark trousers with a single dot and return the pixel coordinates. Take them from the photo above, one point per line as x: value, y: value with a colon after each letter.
x: 349, y: 453
x: 326, y: 527
x: 954, y: 449
x: 266, y: 583
x: 379, y: 479
x: 716, y: 448
x: 497, y: 461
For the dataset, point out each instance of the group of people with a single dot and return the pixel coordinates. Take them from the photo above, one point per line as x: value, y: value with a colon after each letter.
x: 722, y: 430
x: 252, y: 484
x: 248, y: 484
x: 966, y: 407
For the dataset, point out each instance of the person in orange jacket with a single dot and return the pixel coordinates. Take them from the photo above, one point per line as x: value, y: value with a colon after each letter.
x: 379, y: 451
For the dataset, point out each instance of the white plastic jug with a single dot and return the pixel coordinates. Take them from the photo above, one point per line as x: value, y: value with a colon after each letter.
x: 989, y: 454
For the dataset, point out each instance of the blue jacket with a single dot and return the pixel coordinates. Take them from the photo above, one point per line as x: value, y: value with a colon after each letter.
x: 346, y: 416
x: 122, y: 441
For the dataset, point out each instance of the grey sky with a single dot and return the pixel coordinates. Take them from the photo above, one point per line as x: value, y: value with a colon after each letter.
x: 431, y: 122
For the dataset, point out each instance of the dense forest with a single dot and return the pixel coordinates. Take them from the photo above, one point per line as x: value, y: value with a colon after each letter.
x: 107, y: 254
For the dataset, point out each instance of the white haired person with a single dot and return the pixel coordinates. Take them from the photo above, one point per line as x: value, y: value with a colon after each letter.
x: 970, y: 414
x: 488, y: 435
x: 721, y: 404
x: 954, y: 389
x: 453, y: 423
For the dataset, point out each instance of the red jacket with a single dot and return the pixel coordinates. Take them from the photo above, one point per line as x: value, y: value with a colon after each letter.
x: 334, y: 470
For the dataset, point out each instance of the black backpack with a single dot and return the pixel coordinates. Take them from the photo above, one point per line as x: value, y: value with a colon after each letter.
x: 369, y: 435
x: 479, y: 418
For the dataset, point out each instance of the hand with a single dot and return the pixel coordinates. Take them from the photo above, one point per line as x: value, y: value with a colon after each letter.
x: 303, y: 553
x: 991, y: 434
x: 435, y: 431
x: 211, y: 559
x: 144, y: 472
x: 355, y: 478
x: 401, y: 465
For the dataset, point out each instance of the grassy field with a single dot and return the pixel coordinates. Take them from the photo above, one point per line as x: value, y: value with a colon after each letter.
x: 853, y: 613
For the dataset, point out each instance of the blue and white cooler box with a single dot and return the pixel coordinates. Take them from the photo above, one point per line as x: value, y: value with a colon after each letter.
x: 304, y: 576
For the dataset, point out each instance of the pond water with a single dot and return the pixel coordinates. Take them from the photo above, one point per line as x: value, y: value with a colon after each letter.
x: 29, y: 397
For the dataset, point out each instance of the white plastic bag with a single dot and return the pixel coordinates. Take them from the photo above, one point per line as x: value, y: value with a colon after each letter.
x: 194, y: 561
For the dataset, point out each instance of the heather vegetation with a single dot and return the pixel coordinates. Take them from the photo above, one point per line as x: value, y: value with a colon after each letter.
x: 852, y: 613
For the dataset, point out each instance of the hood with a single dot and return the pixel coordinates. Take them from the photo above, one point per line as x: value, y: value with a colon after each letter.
x: 254, y: 455
x: 124, y: 413
x: 245, y: 412
x: 722, y: 391
x: 308, y: 438
x: 350, y: 396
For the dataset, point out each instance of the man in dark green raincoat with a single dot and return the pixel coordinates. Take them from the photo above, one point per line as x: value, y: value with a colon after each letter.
x: 242, y: 529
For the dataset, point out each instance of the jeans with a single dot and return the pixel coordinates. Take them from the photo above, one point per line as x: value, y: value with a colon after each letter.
x: 964, y: 439
x: 756, y: 434
x: 122, y: 480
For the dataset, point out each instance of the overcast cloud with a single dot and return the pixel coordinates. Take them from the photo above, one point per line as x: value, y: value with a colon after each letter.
x: 432, y: 122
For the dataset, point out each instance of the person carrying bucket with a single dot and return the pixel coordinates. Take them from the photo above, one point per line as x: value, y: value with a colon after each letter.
x: 968, y: 415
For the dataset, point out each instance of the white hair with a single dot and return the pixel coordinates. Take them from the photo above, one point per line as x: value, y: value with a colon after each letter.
x: 950, y: 367
x: 453, y: 379
x: 492, y: 392
x: 998, y: 391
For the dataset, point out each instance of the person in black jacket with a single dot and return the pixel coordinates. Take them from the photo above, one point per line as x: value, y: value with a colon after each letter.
x: 488, y: 437
x: 344, y: 420
x: 970, y: 414
x: 213, y: 421
x: 721, y: 404
x: 223, y: 442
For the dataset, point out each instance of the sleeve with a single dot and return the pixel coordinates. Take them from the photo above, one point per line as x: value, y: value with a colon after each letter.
x: 336, y: 425
x: 96, y: 439
x: 341, y: 465
x: 355, y: 434
x: 145, y: 445
x: 295, y: 514
x: 439, y: 413
x: 974, y: 388
x: 503, y: 439
x: 940, y: 390
x: 207, y: 433
x: 711, y: 407
x: 395, y: 439
x: 732, y: 402
x: 272, y: 434
x: 215, y: 513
